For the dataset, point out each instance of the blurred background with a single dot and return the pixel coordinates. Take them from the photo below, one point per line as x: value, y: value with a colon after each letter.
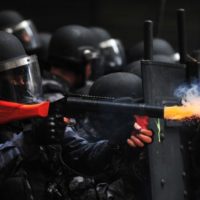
x: 122, y: 18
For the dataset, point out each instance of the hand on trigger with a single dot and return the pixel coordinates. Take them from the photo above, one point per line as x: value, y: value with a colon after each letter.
x: 141, y: 135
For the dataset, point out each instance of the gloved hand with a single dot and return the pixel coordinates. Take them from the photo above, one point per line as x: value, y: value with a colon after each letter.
x: 49, y: 130
x: 141, y: 135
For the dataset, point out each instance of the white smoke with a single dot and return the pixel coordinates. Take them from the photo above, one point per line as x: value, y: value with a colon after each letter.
x: 189, y: 94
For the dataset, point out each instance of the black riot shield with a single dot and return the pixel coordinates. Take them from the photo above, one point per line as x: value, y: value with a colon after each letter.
x: 166, y: 166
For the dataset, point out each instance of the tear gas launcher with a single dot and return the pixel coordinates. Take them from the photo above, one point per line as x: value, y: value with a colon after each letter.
x: 73, y: 105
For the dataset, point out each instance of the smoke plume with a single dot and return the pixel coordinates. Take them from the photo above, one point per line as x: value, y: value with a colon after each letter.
x: 190, y: 98
x: 189, y: 94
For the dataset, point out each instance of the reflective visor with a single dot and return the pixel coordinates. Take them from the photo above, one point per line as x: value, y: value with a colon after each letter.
x: 113, y: 53
x: 20, y: 80
x: 27, y: 34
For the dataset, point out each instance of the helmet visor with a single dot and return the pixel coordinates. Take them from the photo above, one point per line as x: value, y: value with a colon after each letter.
x: 113, y: 53
x: 20, y: 80
x: 27, y: 34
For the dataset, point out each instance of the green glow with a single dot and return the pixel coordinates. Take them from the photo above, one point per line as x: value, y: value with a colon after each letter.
x: 159, y: 129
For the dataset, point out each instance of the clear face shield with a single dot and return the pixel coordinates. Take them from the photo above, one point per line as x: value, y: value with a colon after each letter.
x: 27, y: 34
x: 113, y: 53
x: 20, y: 80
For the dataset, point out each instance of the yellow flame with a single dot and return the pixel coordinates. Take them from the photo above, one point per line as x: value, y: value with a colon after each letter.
x: 182, y: 112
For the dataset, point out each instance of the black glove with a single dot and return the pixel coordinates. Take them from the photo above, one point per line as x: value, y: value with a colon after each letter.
x: 49, y: 130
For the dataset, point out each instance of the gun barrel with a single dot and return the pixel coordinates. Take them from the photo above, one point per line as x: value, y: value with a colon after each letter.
x: 77, y: 105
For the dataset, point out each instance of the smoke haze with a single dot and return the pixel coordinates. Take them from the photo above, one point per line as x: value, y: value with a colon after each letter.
x: 189, y: 94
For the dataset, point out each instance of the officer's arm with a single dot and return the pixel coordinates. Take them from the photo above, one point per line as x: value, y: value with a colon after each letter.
x: 83, y: 156
x: 10, y: 157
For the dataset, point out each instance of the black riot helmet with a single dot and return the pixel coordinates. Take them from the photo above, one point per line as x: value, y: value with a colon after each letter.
x: 12, y: 22
x: 72, y: 48
x: 20, y: 79
x: 134, y: 68
x: 125, y: 88
x: 120, y: 84
x: 100, y: 34
x: 160, y: 47
x: 72, y: 45
x: 112, y: 51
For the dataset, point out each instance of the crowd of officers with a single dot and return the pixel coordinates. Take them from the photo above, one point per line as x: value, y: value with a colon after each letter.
x: 96, y: 157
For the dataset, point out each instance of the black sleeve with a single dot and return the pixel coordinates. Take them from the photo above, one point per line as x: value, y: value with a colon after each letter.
x: 85, y: 157
x: 10, y: 156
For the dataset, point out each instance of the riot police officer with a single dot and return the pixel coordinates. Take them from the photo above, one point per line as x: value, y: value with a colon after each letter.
x: 71, y: 52
x: 30, y: 169
x: 126, y: 179
x: 13, y: 22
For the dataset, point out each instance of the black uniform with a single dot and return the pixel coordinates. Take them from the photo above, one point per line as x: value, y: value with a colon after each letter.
x: 30, y: 168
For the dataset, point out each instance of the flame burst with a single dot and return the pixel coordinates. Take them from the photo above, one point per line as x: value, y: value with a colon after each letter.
x: 182, y: 112
x: 190, y: 109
